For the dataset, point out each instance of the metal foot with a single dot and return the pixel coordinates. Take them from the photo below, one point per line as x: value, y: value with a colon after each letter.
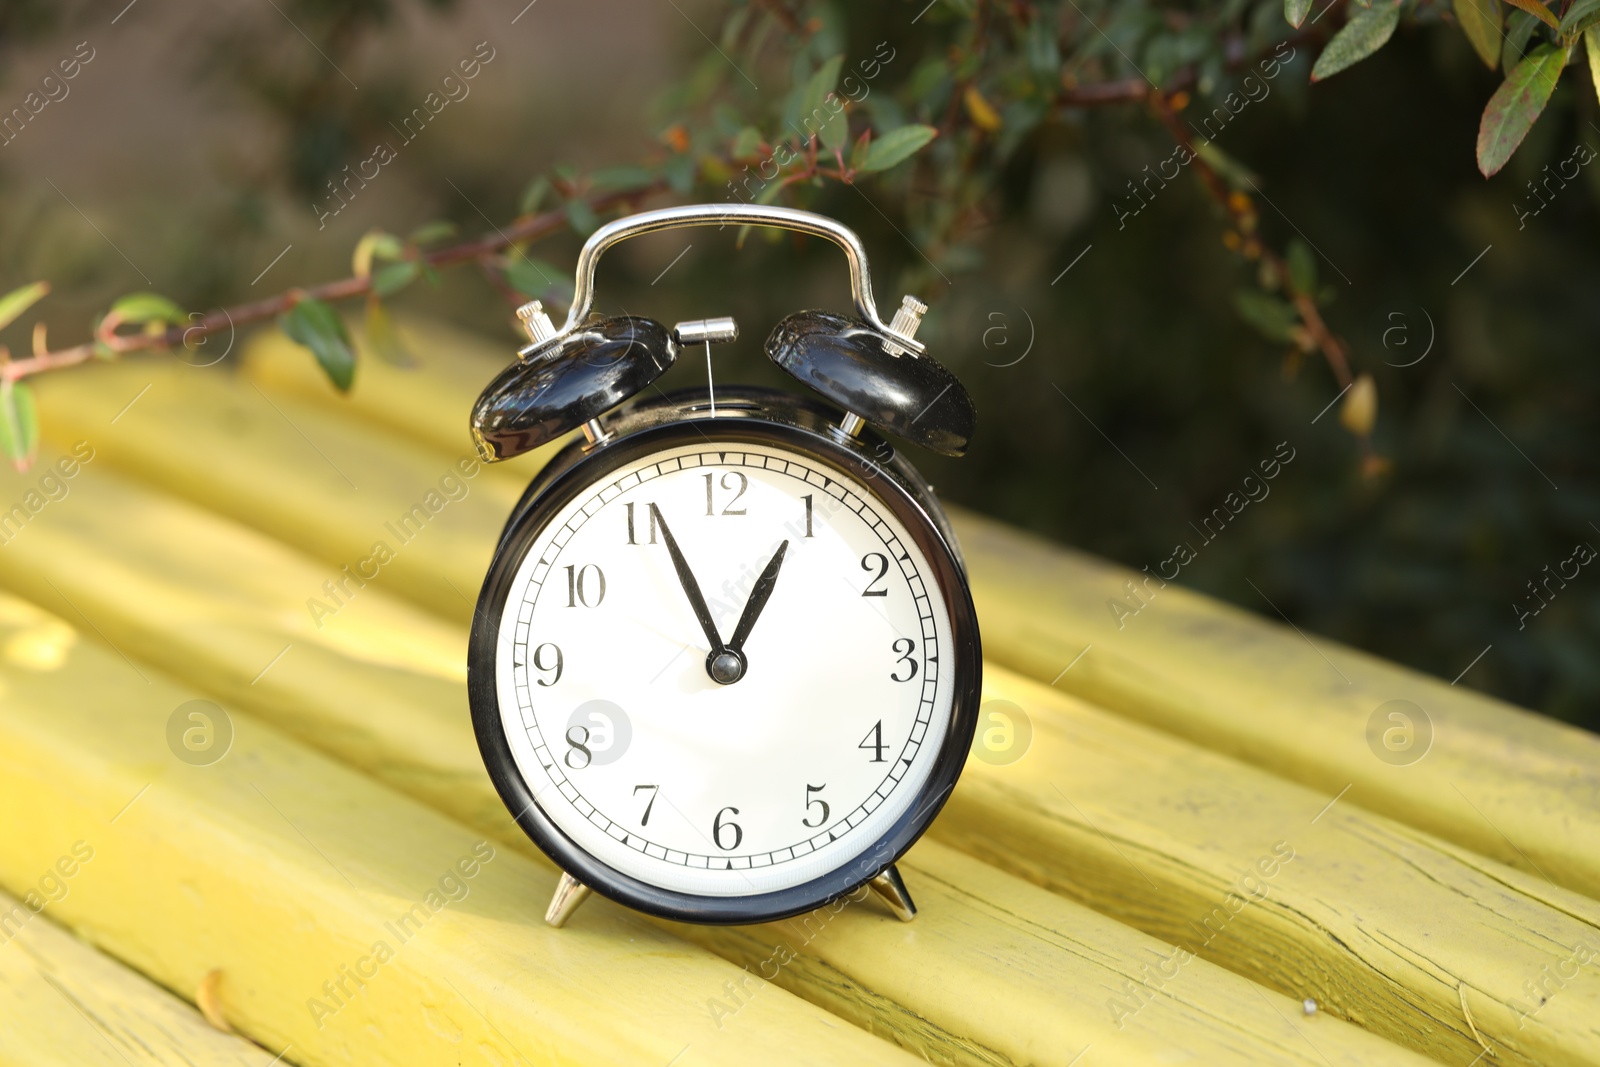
x: 891, y: 889
x: 569, y: 894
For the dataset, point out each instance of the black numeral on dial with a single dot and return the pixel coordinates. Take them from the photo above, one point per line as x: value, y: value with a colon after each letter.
x: 585, y: 585
x: 654, y: 789
x: 904, y: 647
x: 650, y: 508
x: 811, y: 802
x: 734, y: 482
x: 873, y: 742
x: 718, y: 827
x: 578, y: 755
x: 553, y: 669
x: 880, y: 562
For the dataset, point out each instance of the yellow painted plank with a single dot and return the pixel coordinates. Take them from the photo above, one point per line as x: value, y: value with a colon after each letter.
x: 349, y: 923
x: 1418, y: 1009
x: 1301, y: 890
x: 1501, y: 781
x: 63, y: 1003
x: 1002, y: 941
x: 1518, y: 787
x: 390, y: 510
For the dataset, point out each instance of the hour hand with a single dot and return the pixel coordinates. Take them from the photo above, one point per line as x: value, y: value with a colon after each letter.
x: 691, y: 588
x: 758, y: 600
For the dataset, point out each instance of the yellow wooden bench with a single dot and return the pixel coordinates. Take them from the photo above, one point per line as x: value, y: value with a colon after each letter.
x: 1199, y: 859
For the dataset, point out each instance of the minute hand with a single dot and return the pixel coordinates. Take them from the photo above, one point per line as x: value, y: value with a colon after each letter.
x: 691, y: 587
x: 758, y: 599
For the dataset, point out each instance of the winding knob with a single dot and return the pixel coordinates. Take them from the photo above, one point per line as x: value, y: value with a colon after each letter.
x: 537, y: 323
x: 907, y: 317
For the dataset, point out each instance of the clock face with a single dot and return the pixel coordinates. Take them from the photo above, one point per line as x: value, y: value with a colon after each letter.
x: 788, y: 756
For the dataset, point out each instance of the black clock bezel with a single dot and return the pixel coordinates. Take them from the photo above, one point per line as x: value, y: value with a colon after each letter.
x: 547, y: 496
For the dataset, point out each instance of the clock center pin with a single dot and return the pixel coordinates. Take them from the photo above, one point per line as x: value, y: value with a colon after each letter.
x: 725, y: 667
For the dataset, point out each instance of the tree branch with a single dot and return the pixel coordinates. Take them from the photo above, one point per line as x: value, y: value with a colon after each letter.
x: 526, y: 228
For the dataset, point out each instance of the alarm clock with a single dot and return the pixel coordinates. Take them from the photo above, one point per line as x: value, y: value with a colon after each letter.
x: 725, y: 666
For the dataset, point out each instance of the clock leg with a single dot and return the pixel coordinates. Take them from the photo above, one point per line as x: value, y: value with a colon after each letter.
x: 569, y: 894
x: 891, y: 888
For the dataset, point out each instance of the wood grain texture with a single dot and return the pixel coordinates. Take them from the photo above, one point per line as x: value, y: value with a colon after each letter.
x: 1377, y: 921
x: 1031, y: 978
x: 349, y: 922
x: 1501, y: 781
x: 64, y: 1004
x: 866, y: 967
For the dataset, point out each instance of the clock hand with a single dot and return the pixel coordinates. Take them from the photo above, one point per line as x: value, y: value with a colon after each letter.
x: 691, y: 588
x: 758, y: 600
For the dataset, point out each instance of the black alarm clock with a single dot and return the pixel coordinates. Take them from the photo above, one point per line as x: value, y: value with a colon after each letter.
x: 725, y: 666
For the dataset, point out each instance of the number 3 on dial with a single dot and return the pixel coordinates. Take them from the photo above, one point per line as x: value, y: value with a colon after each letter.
x: 904, y: 647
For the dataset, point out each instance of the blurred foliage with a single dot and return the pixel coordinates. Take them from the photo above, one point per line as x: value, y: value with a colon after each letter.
x: 1154, y: 252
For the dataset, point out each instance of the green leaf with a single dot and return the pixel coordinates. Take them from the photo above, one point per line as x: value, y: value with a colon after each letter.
x: 19, y: 423
x: 1363, y: 35
x: 816, y: 115
x: 429, y: 232
x: 1275, y: 319
x: 17, y: 301
x: 318, y: 327
x: 858, y: 153
x: 374, y: 245
x: 1516, y: 105
x: 1296, y: 11
x: 382, y: 337
x: 1302, y: 267
x: 534, y: 195
x: 1480, y: 21
x: 148, y: 307
x: 393, y: 277
x: 1579, y: 17
x: 895, y: 147
x: 746, y: 144
x: 1591, y: 46
x: 816, y: 90
x: 582, y: 217
x: 1043, y: 51
x: 679, y: 172
x: 929, y: 82
x: 1519, y: 31
x: 1538, y: 11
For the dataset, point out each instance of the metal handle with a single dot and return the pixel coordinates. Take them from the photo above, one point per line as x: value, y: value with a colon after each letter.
x: 782, y: 218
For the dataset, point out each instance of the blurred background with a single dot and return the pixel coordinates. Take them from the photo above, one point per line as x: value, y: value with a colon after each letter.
x: 1134, y: 346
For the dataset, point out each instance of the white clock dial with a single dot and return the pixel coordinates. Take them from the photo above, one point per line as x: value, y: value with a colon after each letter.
x: 791, y: 771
